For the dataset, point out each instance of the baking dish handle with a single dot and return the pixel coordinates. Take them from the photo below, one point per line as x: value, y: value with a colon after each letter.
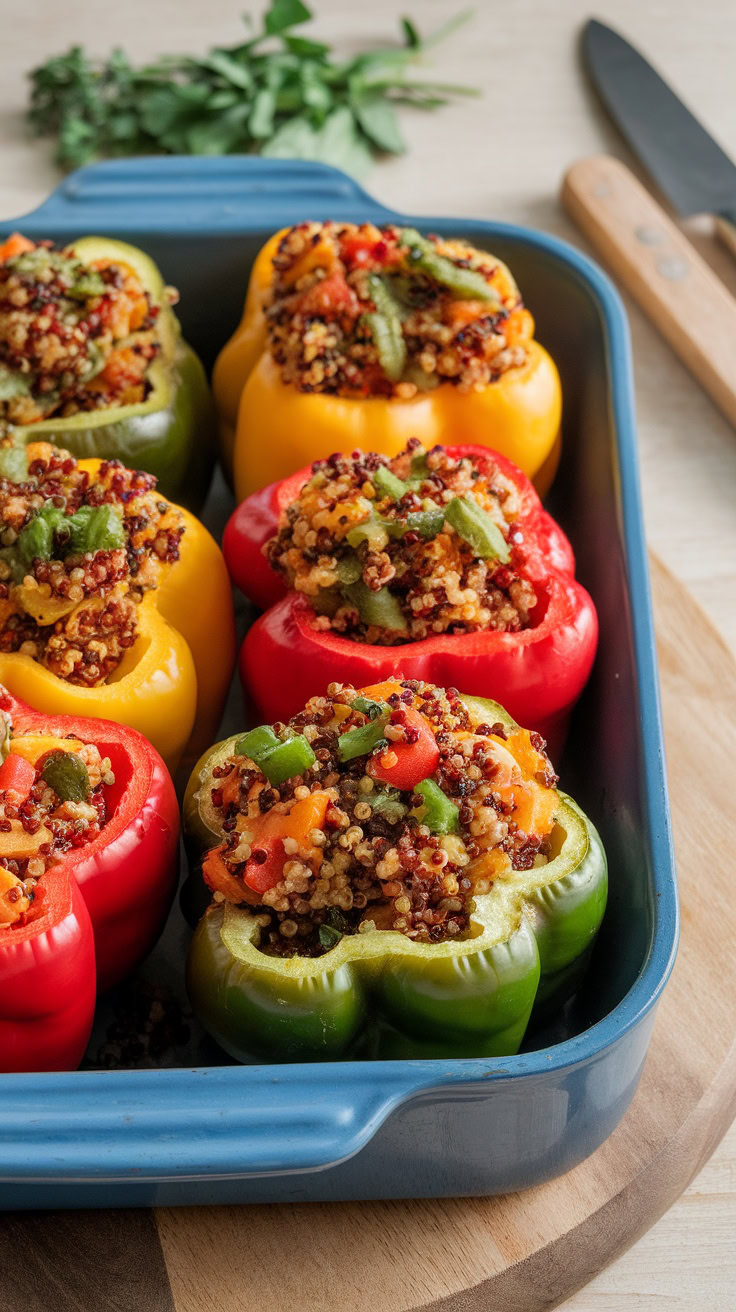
x: 199, y: 193
x: 212, y: 1121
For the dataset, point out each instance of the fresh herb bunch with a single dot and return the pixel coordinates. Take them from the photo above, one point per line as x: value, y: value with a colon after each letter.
x: 279, y: 94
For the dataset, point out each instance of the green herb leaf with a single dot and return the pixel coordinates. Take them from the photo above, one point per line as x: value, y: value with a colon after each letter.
x: 260, y: 122
x: 328, y: 936
x: 377, y: 117
x: 277, y: 92
x: 411, y: 35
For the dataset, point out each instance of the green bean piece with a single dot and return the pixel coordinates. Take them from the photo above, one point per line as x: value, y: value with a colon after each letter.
x: 476, y: 527
x: 380, y: 609
x: 67, y: 774
x: 390, y: 346
x: 439, y: 813
x: 388, y: 484
x: 466, y: 284
x: 386, y: 329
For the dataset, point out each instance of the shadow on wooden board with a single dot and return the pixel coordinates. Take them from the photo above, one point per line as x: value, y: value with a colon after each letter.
x: 115, y: 1258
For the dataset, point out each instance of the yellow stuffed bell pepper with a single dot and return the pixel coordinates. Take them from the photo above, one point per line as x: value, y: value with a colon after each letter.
x: 355, y: 337
x: 114, y: 603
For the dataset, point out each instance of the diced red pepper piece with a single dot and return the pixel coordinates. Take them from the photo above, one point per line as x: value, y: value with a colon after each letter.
x: 357, y: 251
x: 330, y: 296
x: 18, y: 774
x: 409, y: 762
x: 265, y: 866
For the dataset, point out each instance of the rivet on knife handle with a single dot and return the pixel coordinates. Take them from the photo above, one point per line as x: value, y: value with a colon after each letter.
x: 656, y: 263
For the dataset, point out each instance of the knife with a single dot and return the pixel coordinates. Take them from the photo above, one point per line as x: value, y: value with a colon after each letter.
x: 654, y: 260
x: 684, y: 161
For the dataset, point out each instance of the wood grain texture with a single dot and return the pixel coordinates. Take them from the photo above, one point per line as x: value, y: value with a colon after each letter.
x: 653, y: 259
x: 82, y: 1262
x: 527, y: 1252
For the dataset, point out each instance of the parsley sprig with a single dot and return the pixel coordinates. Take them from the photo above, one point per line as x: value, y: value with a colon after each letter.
x: 279, y: 93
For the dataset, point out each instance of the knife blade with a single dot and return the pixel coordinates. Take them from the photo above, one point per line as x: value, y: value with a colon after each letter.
x: 683, y: 159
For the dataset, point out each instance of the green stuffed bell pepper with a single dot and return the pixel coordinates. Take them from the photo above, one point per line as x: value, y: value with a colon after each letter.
x: 92, y: 359
x: 393, y: 874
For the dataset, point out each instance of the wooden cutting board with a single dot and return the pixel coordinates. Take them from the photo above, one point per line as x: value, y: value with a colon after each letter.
x: 519, y: 1253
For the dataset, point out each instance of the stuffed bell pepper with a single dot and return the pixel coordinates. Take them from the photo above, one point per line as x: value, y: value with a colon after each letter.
x: 355, y: 336
x: 393, y: 873
x: 92, y: 359
x: 89, y: 842
x: 440, y: 563
x: 113, y: 601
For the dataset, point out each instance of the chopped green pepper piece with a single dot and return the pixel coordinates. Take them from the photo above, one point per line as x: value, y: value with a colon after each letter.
x: 67, y: 774
x: 36, y: 540
x: 257, y: 743
x: 388, y: 804
x: 363, y: 740
x: 13, y: 460
x: 439, y: 813
x: 349, y: 569
x: 428, y: 523
x: 12, y: 384
x: 380, y: 608
x: 287, y: 759
x: 367, y: 707
x: 476, y: 527
x: 467, y: 284
x: 372, y: 531
x: 418, y: 469
x: 328, y: 936
x: 388, y: 483
x: 102, y: 530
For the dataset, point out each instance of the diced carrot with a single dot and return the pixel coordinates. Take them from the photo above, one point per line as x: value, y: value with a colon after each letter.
x: 231, y: 788
x: 32, y: 746
x: 519, y: 327
x: 380, y: 692
x: 18, y: 774
x: 461, y: 313
x: 320, y: 256
x: 16, y: 244
x: 220, y: 880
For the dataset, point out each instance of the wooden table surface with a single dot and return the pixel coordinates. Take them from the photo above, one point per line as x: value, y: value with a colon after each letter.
x: 502, y: 157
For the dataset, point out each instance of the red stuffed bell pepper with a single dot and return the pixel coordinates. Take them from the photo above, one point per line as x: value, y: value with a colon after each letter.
x: 88, y: 865
x: 443, y: 565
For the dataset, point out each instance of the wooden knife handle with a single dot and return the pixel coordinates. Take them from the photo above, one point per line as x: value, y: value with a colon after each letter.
x: 654, y: 260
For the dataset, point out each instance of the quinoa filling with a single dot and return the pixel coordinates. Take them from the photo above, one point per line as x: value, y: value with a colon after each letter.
x: 382, y: 809
x: 74, y: 336
x: 391, y: 551
x: 52, y: 800
x: 77, y: 555
x: 357, y: 310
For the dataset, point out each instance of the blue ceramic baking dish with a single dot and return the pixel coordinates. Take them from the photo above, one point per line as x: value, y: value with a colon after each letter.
x: 225, y: 1133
